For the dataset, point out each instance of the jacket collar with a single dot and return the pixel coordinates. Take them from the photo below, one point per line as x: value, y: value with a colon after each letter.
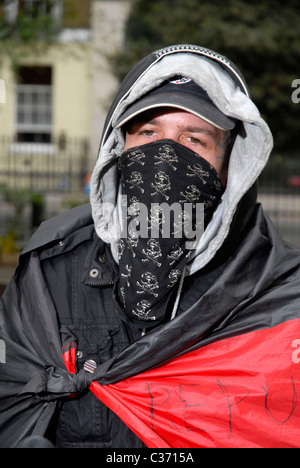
x: 99, y: 267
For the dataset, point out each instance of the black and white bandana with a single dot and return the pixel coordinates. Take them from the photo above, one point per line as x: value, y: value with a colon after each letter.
x: 169, y: 194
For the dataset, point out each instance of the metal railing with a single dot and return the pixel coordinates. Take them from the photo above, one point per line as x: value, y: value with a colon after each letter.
x: 279, y: 193
x: 61, y: 166
x: 60, y: 169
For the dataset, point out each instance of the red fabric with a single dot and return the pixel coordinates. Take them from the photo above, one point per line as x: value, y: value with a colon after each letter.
x: 69, y: 357
x: 238, y: 392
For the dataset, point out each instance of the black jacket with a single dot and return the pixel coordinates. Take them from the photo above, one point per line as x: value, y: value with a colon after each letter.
x: 67, y: 276
x: 58, y: 313
x: 79, y: 272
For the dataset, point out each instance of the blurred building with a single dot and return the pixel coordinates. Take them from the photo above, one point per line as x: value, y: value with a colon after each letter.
x: 58, y: 84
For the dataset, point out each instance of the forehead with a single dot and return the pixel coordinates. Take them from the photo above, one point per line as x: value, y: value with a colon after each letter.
x: 162, y: 116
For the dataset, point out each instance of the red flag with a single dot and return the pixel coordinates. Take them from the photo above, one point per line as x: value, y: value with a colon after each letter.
x: 238, y: 392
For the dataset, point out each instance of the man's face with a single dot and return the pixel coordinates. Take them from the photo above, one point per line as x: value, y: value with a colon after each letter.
x: 181, y: 127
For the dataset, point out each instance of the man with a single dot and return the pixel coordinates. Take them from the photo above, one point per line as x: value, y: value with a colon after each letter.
x: 151, y: 326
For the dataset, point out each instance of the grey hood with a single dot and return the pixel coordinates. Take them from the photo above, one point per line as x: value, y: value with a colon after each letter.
x: 227, y: 89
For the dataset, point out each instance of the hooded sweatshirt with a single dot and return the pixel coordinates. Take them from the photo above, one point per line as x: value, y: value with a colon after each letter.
x: 224, y: 371
x: 227, y: 89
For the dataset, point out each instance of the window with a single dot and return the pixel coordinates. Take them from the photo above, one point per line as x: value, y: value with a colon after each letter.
x: 32, y: 9
x: 35, y: 8
x: 34, y: 105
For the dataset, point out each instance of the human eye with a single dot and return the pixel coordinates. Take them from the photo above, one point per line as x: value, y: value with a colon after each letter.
x: 197, y: 141
x: 147, y: 132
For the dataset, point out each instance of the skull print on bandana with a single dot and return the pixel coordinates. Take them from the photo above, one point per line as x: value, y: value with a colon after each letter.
x: 155, y: 179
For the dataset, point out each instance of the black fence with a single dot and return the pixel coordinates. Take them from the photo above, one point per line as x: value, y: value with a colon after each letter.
x: 61, y: 166
x: 59, y: 171
x: 38, y: 181
x: 279, y: 193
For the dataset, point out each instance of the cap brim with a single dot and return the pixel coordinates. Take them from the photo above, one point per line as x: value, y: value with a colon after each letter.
x: 202, y: 108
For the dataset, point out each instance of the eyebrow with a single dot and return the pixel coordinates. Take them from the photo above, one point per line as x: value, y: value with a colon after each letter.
x: 192, y: 129
x: 207, y: 131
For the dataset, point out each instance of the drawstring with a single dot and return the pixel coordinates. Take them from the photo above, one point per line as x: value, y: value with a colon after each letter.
x: 174, y: 312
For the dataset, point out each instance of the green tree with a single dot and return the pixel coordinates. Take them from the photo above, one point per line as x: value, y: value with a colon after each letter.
x: 261, y: 37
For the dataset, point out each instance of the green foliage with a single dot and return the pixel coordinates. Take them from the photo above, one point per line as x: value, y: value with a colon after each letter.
x: 261, y: 37
x: 70, y: 203
x: 17, y: 197
x: 28, y: 28
x: 8, y: 243
x: 28, y: 35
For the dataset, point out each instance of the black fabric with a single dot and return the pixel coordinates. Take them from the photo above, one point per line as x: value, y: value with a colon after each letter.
x: 252, y: 283
x: 184, y: 93
x: 165, y: 187
x: 62, y: 292
x: 151, y: 59
x: 86, y: 315
x: 60, y: 302
x: 35, y: 442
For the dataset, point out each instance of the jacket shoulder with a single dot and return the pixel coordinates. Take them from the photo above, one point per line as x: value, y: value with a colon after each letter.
x: 59, y: 227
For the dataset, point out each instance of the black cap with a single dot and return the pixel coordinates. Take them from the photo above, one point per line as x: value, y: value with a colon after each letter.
x: 182, y: 93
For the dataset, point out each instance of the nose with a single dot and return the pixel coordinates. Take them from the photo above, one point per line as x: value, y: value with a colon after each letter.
x: 170, y: 134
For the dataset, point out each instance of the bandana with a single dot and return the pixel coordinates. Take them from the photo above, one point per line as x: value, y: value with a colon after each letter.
x: 169, y: 194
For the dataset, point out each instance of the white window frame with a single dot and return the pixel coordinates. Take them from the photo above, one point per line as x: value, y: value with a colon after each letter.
x: 42, y: 149
x: 11, y: 9
x: 37, y: 115
x: 28, y: 126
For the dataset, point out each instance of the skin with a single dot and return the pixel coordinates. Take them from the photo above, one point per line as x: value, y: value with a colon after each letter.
x: 182, y: 127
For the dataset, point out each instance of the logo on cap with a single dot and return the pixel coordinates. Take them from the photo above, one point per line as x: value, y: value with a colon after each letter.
x: 181, y: 81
